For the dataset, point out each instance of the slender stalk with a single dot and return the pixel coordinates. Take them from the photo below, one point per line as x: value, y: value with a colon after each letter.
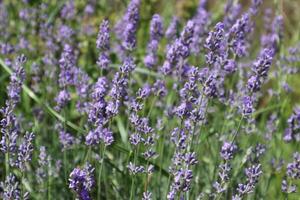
x: 237, y: 130
x: 65, y: 165
x: 146, y: 178
x: 7, y: 163
x: 161, y: 151
x: 49, y: 185
x: 22, y: 185
x: 133, y: 178
x: 103, y: 148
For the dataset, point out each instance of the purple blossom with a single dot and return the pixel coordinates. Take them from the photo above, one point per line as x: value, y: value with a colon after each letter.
x: 288, y: 188
x: 16, y: 80
x: 147, y: 195
x: 67, y: 140
x: 253, y: 173
x: 9, y: 123
x: 65, y: 33
x: 179, y: 50
x: 99, y: 134
x: 135, y: 139
x: 210, y: 86
x: 128, y: 65
x: 103, y: 37
x: 62, y: 99
x: 255, y: 5
x: 10, y: 188
x: 292, y: 132
x: 228, y: 150
x: 134, y: 169
x: 129, y: 24
x: 201, y: 20
x: 156, y: 33
x: 215, y: 43
x: 232, y: 11
x: 82, y: 181
x: 171, y: 32
x: 239, y: 34
x: 25, y: 150
x: 68, y: 11
x: 67, y: 64
x: 262, y: 65
x: 293, y: 168
x: 247, y: 106
x: 230, y: 66
x: 144, y: 92
x: 103, y: 44
x: 103, y: 60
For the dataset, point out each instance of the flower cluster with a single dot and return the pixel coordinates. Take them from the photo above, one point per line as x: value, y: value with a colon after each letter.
x: 156, y: 33
x: 82, y: 181
x: 292, y: 133
x: 292, y: 173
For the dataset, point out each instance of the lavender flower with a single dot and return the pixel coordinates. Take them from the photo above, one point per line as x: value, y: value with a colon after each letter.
x: 103, y: 36
x: 262, y: 64
x: 67, y: 140
x: 9, y: 123
x: 179, y: 50
x: 82, y: 181
x: 68, y: 11
x: 10, y: 188
x: 232, y: 11
x: 227, y: 151
x: 292, y: 132
x: 133, y: 169
x: 215, y: 43
x: 293, y: 169
x: 103, y: 43
x: 238, y: 35
x: 171, y: 32
x: 67, y: 64
x: 99, y: 134
x: 62, y: 99
x: 147, y: 195
x: 288, y: 188
x: 254, y: 6
x: 201, y: 20
x: 253, y: 173
x: 43, y: 162
x: 247, y: 106
x: 25, y: 150
x: 156, y: 33
x: 130, y: 24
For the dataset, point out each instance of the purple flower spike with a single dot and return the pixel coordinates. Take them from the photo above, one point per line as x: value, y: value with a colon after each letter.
x: 103, y: 37
x: 82, y: 181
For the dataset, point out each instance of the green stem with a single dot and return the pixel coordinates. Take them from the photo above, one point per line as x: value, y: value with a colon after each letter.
x: 133, y: 178
x: 65, y: 166
x: 146, y: 177
x: 49, y: 185
x: 103, y: 148
x: 237, y: 130
x: 7, y: 163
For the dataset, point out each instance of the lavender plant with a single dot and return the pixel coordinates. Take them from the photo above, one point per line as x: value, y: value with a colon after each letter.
x: 149, y: 99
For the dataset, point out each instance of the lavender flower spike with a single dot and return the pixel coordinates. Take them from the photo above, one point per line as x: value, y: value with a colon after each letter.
x: 82, y: 181
x: 103, y: 36
x: 156, y: 33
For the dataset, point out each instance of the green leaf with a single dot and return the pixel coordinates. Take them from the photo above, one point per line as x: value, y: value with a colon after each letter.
x: 123, y: 132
